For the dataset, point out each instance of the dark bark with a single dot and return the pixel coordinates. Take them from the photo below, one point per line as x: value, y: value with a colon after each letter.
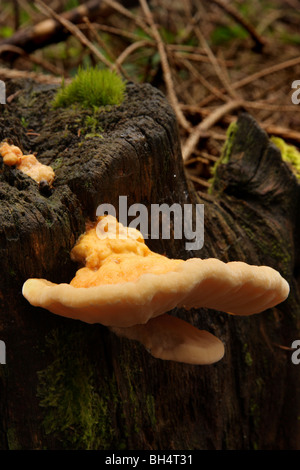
x: 70, y: 385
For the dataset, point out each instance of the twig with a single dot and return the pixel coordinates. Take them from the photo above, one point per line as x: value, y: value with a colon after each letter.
x: 203, y: 80
x: 197, y: 109
x: 128, y: 14
x: 118, y: 32
x: 50, y: 31
x: 165, y: 67
x: 97, y: 37
x: 219, y: 72
x: 230, y: 10
x: 283, y: 132
x: 257, y: 75
x: 268, y: 19
x: 197, y: 179
x: 75, y: 31
x: 16, y: 14
x: 205, y: 158
x: 38, y: 77
x: 267, y: 71
x: 223, y: 77
x: 130, y: 49
x: 193, y: 55
x: 270, y: 107
x: 206, y: 124
x: 35, y: 60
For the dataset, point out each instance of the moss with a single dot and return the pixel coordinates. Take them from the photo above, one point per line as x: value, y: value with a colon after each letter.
x: 279, y: 251
x: 91, y: 127
x: 91, y: 88
x: 230, y: 137
x: 75, y: 412
x: 289, y: 154
x: 136, y: 399
x: 57, y: 163
x: 132, y: 397
x: 150, y: 407
x: 226, y: 151
x: 12, y: 440
x: 247, y: 355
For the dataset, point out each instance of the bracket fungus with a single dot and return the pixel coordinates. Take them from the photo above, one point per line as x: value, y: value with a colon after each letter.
x: 129, y: 288
x: 28, y: 164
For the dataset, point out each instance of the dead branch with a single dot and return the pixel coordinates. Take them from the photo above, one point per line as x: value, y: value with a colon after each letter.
x: 33, y: 59
x: 51, y: 30
x: 73, y: 29
x: 206, y: 124
x: 37, y: 77
x: 257, y: 75
x: 231, y: 11
x: 165, y: 66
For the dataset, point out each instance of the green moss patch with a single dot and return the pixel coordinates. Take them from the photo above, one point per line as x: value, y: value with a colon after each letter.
x: 289, y: 154
x: 91, y: 88
x: 76, y: 411
x: 226, y: 152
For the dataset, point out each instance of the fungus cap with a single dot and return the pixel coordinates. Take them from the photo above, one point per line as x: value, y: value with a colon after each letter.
x: 172, y: 339
x: 235, y: 288
x: 124, y: 283
x: 126, y: 286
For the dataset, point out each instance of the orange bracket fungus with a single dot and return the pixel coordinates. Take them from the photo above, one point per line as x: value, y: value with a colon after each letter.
x: 129, y: 288
x: 28, y: 164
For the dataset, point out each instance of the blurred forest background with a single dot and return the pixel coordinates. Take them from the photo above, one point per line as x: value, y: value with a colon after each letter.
x: 211, y: 59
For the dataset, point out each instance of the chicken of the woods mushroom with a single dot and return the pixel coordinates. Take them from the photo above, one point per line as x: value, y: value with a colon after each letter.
x: 28, y: 164
x: 124, y: 285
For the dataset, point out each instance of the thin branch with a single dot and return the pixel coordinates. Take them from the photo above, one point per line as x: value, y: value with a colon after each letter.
x: 73, y: 29
x: 50, y: 31
x: 130, y: 49
x: 286, y: 134
x: 197, y: 179
x: 128, y: 14
x: 203, y: 81
x: 257, y: 75
x: 193, y: 55
x: 165, y: 67
x: 266, y: 71
x: 206, y: 124
x: 33, y: 59
x: 118, y: 32
x: 223, y: 77
x: 231, y: 11
x: 38, y: 77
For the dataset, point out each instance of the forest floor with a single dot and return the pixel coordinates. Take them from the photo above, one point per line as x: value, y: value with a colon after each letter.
x: 212, y: 59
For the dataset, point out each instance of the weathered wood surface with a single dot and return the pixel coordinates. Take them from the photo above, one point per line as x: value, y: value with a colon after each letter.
x: 70, y: 385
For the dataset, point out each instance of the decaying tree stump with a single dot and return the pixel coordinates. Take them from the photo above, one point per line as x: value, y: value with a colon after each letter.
x: 67, y: 384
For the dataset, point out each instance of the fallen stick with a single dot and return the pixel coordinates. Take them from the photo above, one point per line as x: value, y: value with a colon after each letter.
x: 206, y: 124
x: 231, y: 11
x: 51, y: 31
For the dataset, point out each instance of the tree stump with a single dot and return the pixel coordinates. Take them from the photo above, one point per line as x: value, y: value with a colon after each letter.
x: 71, y: 385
